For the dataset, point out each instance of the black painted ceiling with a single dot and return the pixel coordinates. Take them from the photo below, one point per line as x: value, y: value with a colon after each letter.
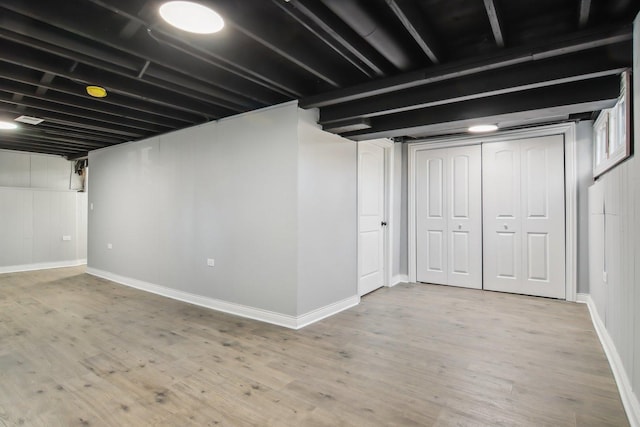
x: 375, y: 68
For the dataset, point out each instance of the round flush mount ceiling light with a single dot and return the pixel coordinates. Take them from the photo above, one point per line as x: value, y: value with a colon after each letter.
x: 191, y: 17
x: 97, y: 91
x: 7, y: 125
x: 483, y: 128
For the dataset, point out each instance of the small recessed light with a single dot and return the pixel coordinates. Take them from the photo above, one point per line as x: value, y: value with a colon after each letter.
x: 97, y: 91
x: 483, y: 128
x: 191, y: 17
x: 8, y: 125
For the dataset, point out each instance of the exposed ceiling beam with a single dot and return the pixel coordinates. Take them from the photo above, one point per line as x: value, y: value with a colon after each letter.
x: 271, y: 36
x: 88, y: 104
x: 450, y: 71
x: 133, y: 53
x: 180, y: 85
x: 9, y: 143
x: 574, y: 97
x: 22, y: 135
x: 344, y: 35
x: 46, y: 79
x: 411, y: 19
x: 314, y: 29
x: 125, y: 86
x: 68, y: 135
x: 80, y: 123
x: 583, y: 15
x: 20, y: 74
x: 552, y: 71
x: 494, y: 19
x: 232, y: 62
x: 81, y: 113
x: 371, y: 28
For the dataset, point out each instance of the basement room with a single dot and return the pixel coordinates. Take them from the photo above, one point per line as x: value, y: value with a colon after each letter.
x: 319, y: 213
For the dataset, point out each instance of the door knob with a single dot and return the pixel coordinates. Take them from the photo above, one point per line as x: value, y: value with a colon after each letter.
x: 459, y: 226
x: 506, y: 227
x: 383, y: 223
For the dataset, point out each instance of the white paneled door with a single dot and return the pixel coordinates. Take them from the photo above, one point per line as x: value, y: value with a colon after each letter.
x: 449, y: 216
x: 371, y: 202
x: 524, y: 221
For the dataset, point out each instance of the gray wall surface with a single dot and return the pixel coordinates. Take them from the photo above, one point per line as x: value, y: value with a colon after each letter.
x: 270, y: 199
x: 584, y: 167
x: 37, y: 210
x: 327, y: 217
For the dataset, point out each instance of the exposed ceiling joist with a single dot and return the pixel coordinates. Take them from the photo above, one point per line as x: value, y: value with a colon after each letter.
x: 468, y: 67
x: 570, y: 98
x: 583, y: 14
x: 494, y: 19
x: 552, y: 71
x: 411, y: 19
x: 344, y: 35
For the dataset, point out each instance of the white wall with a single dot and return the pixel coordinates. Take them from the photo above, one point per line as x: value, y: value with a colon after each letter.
x: 584, y: 170
x: 36, y: 211
x: 327, y: 216
x: 250, y: 191
x: 614, y: 245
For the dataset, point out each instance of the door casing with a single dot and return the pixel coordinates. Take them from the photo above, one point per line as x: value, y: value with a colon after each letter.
x: 568, y: 130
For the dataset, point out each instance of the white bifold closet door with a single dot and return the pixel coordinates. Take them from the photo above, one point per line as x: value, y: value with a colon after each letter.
x: 524, y: 220
x: 449, y: 216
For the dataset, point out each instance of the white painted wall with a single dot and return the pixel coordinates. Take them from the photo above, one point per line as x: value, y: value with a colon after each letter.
x: 584, y: 171
x: 252, y: 192
x: 327, y: 216
x: 36, y: 211
x: 615, y: 237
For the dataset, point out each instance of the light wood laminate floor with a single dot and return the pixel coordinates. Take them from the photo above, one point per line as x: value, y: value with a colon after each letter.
x: 76, y: 350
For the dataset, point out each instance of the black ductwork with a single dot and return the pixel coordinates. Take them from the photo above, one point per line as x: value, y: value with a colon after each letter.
x: 367, y: 26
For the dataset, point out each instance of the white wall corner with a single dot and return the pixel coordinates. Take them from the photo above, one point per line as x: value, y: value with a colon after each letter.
x: 42, y: 266
x: 629, y: 398
x: 399, y: 278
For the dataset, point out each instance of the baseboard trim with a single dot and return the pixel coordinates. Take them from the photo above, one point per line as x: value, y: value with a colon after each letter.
x: 326, y: 311
x: 399, y: 278
x: 42, y: 266
x: 629, y: 398
x: 284, y: 320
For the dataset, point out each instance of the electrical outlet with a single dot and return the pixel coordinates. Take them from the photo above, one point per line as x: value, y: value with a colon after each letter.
x: 91, y: 206
x: 605, y: 277
x: 211, y: 262
x: 109, y: 246
x: 66, y: 238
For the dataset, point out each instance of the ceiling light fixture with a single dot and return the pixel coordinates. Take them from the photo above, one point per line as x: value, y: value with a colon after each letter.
x: 8, y: 125
x: 97, y: 91
x: 191, y: 17
x: 482, y: 128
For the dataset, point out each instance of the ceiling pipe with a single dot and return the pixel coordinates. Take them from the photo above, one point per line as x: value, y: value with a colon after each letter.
x: 367, y: 26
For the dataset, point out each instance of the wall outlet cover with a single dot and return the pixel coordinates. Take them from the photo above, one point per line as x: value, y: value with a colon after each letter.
x: 211, y: 262
x: 66, y: 238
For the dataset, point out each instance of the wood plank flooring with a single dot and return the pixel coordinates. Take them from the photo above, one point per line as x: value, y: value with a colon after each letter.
x: 76, y: 350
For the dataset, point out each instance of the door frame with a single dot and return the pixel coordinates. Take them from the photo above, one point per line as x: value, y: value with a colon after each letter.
x: 568, y: 131
x: 387, y: 235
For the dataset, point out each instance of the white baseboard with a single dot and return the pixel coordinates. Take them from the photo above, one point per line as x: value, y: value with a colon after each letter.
x: 42, y: 266
x: 285, y: 320
x: 629, y: 398
x: 398, y: 278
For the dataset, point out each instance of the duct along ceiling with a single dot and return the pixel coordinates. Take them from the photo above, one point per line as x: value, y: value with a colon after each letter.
x: 374, y: 68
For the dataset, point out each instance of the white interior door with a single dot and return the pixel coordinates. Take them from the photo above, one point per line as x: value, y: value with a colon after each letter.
x: 449, y: 216
x: 524, y: 221
x: 371, y: 202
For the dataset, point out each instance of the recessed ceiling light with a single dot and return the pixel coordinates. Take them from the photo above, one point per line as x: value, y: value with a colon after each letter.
x: 191, y: 17
x: 483, y: 128
x: 97, y: 91
x: 8, y: 125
